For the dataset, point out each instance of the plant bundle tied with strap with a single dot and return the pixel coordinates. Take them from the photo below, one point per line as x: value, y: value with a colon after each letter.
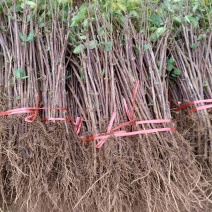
x: 96, y: 131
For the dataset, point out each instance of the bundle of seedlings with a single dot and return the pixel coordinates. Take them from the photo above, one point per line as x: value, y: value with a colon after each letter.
x: 191, y: 55
x: 104, y: 66
x: 119, y: 83
x: 41, y: 162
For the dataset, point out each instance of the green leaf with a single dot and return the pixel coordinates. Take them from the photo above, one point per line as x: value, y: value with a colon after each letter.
x: 3, y: 28
x: 108, y: 46
x: 18, y: 8
x: 160, y: 31
x: 78, y: 18
x: 193, y: 46
x: 187, y: 19
x: 194, y: 21
x: 102, y: 31
x: 19, y: 73
x: 201, y: 36
x: 191, y: 20
x: 205, y: 84
x: 173, y: 75
x: 195, y: 6
x: 177, y: 20
x: 82, y: 37
x: 171, y: 61
x: 23, y: 37
x: 31, y: 4
x: 31, y: 36
x: 156, y: 20
x: 122, y: 7
x: 41, y: 25
x: 92, y: 44
x: 24, y: 77
x: 73, y: 24
x: 153, y: 37
x: 79, y: 49
x: 169, y: 67
x: 147, y: 46
x: 85, y: 23
x: 134, y: 13
x: 83, y: 8
x: 177, y: 72
x: 152, y: 28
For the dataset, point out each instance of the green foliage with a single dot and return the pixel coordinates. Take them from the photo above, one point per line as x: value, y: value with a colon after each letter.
x: 20, y: 74
x: 108, y: 45
x: 79, y: 49
x: 31, y: 36
x: 172, y: 69
x: 176, y: 72
x: 25, y: 3
x: 193, y: 46
x: 25, y: 38
x: 81, y: 16
x: 152, y: 20
x: 156, y: 20
x: 205, y: 84
x: 157, y: 33
x: 147, y: 46
x: 92, y: 44
x: 169, y: 16
x: 170, y: 64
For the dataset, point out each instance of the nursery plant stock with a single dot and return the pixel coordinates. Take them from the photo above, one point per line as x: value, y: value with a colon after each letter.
x: 59, y: 62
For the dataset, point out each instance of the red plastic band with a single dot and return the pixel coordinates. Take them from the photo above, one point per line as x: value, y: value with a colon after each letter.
x: 201, y: 108
x: 99, y: 145
x: 104, y: 137
x: 131, y: 115
x: 196, y: 108
x: 77, y: 124
x: 113, y: 132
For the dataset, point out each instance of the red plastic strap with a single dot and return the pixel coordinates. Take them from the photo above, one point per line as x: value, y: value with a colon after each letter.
x: 133, y: 100
x: 112, y: 132
x: 125, y: 133
x: 156, y: 121
x: 26, y: 110
x: 34, y: 112
x: 131, y: 115
x: 104, y: 137
x: 184, y: 106
x: 99, y: 145
x: 201, y: 108
x: 77, y: 124
x: 196, y: 108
